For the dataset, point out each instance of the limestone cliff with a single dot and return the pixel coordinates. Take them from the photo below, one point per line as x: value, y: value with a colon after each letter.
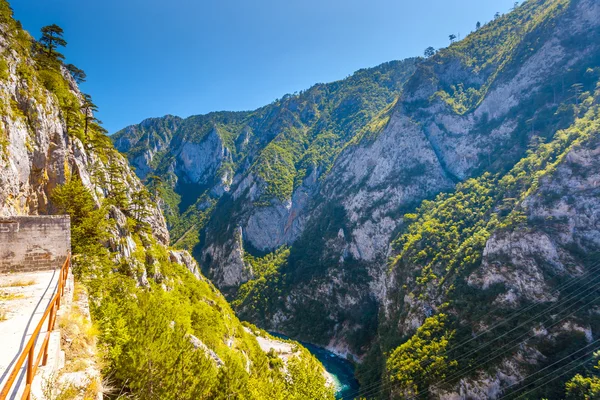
x: 448, y: 125
x: 265, y: 166
x: 511, y: 257
x: 39, y: 154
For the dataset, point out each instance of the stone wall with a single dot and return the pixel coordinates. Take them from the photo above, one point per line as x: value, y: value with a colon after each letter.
x: 33, y: 243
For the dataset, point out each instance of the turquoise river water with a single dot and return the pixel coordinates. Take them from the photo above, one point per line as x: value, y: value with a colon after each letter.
x: 340, y: 369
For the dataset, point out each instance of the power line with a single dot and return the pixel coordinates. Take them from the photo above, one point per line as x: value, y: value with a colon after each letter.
x: 517, y: 341
x: 555, y: 378
x: 548, y: 366
x: 571, y: 282
x: 381, y: 386
x: 558, y: 376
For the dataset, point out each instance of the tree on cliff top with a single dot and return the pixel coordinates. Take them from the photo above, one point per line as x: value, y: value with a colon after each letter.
x: 52, y: 37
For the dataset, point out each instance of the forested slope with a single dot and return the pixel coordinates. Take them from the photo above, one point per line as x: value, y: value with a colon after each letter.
x: 164, y: 330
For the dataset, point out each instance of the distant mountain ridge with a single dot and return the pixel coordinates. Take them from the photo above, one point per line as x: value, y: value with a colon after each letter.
x: 203, y: 156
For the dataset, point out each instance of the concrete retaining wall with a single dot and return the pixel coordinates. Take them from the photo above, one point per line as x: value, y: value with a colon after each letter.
x: 33, y: 243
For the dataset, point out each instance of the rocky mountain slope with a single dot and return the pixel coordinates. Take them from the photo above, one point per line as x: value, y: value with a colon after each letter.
x: 511, y: 276
x: 277, y: 153
x: 503, y: 124
x: 165, y: 330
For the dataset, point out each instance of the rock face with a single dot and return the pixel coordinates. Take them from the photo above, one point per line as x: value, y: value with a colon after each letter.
x: 38, y: 153
x: 198, y: 163
x: 400, y: 167
x: 563, y: 219
x: 145, y: 140
x: 532, y: 251
x: 266, y: 165
x: 48, y: 138
x: 548, y: 260
x: 268, y: 228
x: 426, y: 146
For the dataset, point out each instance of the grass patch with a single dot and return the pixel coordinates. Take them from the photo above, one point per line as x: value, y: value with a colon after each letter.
x: 78, y: 341
x: 5, y: 296
x: 78, y: 337
x: 53, y: 389
x: 19, y: 283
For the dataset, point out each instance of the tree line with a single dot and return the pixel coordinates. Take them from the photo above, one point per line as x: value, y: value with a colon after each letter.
x: 431, y: 51
x: 46, y: 51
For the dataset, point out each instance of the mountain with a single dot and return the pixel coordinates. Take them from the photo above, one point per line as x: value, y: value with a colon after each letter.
x: 277, y: 151
x: 432, y: 218
x: 164, y: 330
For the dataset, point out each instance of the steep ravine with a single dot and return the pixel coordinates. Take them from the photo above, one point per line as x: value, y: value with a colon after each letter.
x: 337, y: 267
x: 463, y: 195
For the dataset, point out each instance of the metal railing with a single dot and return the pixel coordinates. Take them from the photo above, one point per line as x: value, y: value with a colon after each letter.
x: 28, y: 352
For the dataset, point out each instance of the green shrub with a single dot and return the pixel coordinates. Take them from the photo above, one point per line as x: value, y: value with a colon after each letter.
x: 422, y: 360
x: 88, y: 223
x: 4, y: 72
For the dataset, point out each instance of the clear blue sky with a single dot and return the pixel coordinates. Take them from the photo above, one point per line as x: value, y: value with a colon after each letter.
x: 148, y: 58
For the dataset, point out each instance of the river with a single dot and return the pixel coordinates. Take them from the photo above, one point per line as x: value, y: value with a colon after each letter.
x: 340, y: 369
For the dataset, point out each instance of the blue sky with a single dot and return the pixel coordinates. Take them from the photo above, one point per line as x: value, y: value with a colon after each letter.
x: 148, y: 58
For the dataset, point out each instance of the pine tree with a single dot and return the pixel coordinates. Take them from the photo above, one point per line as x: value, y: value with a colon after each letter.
x: 51, y: 39
x: 89, y: 108
x: 117, y: 189
x: 76, y: 73
x: 153, y: 183
x: 88, y: 223
x: 138, y: 207
x: 72, y: 116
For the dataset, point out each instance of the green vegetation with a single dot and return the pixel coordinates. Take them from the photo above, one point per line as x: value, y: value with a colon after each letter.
x: 162, y: 332
x: 443, y: 242
x: 491, y: 50
x: 422, y: 360
x: 89, y: 108
x: 52, y: 38
x: 89, y: 225
x: 310, y: 263
x: 255, y: 297
x: 429, y: 52
x: 145, y: 331
x: 184, y: 227
x: 282, y: 143
x: 276, y: 166
x: 3, y: 69
x: 76, y: 73
x: 39, y: 65
x: 584, y: 388
x: 268, y: 264
x: 326, y: 118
